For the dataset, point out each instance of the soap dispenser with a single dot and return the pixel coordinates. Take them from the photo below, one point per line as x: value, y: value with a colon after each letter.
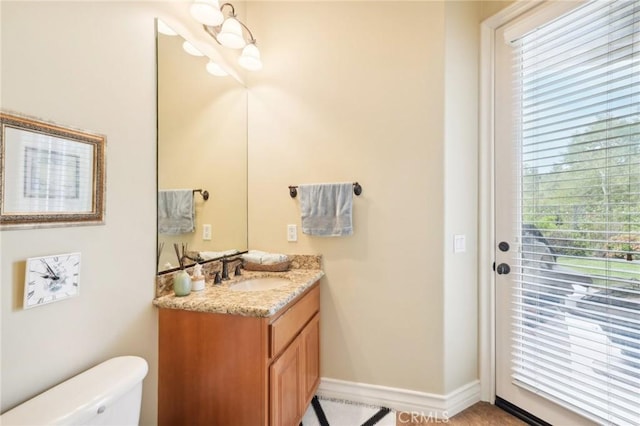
x: 197, y: 279
x: 181, y: 283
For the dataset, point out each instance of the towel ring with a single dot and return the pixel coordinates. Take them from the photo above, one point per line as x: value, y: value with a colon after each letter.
x: 293, y: 190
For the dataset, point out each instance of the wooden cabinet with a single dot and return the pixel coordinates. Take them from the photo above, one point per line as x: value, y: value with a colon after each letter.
x: 310, y: 340
x: 295, y: 375
x: 219, y: 369
x: 286, y: 386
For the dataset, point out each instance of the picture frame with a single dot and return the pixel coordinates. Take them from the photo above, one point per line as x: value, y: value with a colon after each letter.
x: 50, y: 175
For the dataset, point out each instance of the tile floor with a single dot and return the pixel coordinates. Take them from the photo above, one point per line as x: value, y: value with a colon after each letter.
x: 480, y: 414
x: 340, y: 413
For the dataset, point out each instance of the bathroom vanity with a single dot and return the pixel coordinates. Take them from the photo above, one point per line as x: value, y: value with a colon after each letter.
x: 240, y: 357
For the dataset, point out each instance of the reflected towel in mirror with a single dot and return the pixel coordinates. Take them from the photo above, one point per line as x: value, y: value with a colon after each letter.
x: 208, y: 255
x: 326, y: 209
x: 264, y: 258
x: 176, y: 213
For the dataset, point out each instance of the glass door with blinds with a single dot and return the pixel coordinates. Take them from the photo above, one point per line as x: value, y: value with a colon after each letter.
x: 568, y: 213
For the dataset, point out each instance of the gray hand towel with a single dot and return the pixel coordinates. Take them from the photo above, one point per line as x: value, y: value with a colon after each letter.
x: 176, y: 214
x: 264, y: 258
x: 326, y: 209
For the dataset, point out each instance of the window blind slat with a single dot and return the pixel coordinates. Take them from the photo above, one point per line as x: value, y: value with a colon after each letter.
x: 587, y: 378
x: 575, y: 404
x: 582, y: 18
x: 585, y: 134
x: 572, y: 386
x: 596, y: 78
x: 569, y: 110
x: 575, y: 307
x: 570, y: 131
x: 596, y: 361
x: 578, y: 69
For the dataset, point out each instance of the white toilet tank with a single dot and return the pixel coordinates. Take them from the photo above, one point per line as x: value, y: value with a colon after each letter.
x: 107, y: 394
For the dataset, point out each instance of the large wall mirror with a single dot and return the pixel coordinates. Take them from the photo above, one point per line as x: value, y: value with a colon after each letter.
x: 202, y: 144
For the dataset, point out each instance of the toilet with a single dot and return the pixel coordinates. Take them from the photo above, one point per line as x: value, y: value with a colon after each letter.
x: 107, y: 394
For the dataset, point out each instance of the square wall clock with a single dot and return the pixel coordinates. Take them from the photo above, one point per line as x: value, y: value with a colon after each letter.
x: 51, y: 278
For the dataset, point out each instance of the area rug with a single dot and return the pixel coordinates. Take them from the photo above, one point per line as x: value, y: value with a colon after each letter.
x: 325, y: 412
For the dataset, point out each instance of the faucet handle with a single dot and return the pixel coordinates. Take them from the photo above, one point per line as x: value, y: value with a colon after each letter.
x: 238, y: 270
x: 216, y: 277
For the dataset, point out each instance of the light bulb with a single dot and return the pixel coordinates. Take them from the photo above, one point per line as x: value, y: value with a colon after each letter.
x: 191, y: 49
x: 231, y: 34
x: 215, y: 69
x: 163, y: 28
x: 207, y: 12
x: 250, y: 58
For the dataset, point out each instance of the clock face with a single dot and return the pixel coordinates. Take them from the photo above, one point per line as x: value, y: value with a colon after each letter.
x: 51, y: 278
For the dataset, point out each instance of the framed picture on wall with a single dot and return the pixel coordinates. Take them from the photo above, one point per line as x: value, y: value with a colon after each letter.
x: 50, y: 175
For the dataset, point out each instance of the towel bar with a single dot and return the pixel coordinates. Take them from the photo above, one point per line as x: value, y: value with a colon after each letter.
x: 293, y: 189
x: 204, y: 193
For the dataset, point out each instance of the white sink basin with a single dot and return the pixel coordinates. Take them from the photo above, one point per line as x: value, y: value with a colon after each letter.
x: 259, y: 284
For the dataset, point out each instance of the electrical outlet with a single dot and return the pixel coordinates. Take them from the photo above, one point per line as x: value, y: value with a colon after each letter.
x: 206, y: 232
x: 292, y: 233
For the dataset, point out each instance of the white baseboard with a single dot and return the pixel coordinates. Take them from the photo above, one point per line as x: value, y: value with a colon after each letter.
x: 426, y: 404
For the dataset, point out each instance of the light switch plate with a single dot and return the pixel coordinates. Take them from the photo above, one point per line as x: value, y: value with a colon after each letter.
x: 206, y: 232
x: 292, y: 233
x: 459, y: 243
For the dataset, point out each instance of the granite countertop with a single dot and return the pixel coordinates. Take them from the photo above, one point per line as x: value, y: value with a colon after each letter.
x: 220, y: 299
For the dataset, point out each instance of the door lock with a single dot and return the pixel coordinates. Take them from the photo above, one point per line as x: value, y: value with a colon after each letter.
x: 503, y: 268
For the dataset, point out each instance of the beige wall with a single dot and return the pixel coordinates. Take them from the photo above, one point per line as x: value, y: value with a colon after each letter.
x: 202, y: 143
x: 90, y: 65
x: 461, y: 199
x: 346, y: 95
x: 490, y: 8
x: 66, y: 63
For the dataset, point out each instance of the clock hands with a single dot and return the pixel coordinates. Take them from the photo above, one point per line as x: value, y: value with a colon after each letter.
x: 46, y: 275
x: 52, y: 274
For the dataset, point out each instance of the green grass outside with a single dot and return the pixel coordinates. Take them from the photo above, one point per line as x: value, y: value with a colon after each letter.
x: 623, y: 269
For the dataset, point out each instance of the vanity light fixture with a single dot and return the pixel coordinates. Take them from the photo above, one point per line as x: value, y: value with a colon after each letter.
x: 207, y: 12
x: 212, y: 67
x: 230, y: 33
x: 191, y: 49
x: 215, y: 69
x: 250, y: 58
x: 165, y: 29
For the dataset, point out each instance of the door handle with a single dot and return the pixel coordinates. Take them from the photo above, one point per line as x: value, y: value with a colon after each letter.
x: 503, y: 268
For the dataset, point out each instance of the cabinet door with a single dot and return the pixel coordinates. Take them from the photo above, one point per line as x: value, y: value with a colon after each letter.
x: 287, y: 386
x: 212, y: 369
x: 311, y: 352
